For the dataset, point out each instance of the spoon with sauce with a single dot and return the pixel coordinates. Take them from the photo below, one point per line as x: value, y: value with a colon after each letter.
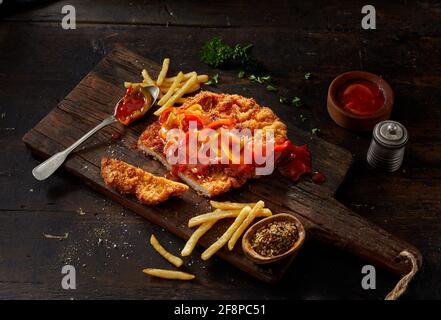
x: 135, y: 103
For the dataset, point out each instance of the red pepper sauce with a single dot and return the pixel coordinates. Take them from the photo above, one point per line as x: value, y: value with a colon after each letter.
x: 116, y: 136
x: 318, y: 177
x: 361, y: 97
x: 296, y: 160
x: 130, y: 106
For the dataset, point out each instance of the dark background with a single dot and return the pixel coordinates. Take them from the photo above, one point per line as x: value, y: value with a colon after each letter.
x: 40, y: 63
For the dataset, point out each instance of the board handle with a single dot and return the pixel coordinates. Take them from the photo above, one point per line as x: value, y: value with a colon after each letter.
x: 338, y: 225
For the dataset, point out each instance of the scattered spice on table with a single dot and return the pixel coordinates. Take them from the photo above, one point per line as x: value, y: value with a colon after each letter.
x: 275, y: 238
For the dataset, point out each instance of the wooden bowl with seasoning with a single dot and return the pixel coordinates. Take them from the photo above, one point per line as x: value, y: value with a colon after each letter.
x: 281, y: 226
x: 358, y: 100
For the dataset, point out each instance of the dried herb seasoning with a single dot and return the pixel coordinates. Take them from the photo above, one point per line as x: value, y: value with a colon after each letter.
x: 275, y: 238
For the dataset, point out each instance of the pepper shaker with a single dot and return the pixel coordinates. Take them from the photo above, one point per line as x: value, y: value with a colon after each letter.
x: 387, y: 146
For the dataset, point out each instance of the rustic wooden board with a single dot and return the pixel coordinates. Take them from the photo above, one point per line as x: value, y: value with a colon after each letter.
x: 93, y: 100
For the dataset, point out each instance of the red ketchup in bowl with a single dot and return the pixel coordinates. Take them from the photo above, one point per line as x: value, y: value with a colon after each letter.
x: 360, y: 97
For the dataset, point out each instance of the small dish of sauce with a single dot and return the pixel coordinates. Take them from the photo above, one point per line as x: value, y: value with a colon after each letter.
x: 361, y: 97
x: 358, y: 100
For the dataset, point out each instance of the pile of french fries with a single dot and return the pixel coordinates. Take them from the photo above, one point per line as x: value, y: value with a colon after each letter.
x: 172, y: 89
x: 244, y: 214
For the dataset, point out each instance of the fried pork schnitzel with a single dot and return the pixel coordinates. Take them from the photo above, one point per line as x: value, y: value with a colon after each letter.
x: 216, y: 110
x: 148, y: 188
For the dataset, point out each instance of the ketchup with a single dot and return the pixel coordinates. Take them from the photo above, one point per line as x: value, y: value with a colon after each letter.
x: 361, y: 97
x: 296, y: 161
x: 131, y: 107
x: 318, y: 177
x: 116, y: 136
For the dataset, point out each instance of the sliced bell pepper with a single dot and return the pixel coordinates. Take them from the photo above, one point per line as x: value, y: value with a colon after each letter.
x: 220, y: 123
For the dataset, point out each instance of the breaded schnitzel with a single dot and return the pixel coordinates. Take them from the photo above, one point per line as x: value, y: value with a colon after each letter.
x: 148, y: 188
x: 213, y: 110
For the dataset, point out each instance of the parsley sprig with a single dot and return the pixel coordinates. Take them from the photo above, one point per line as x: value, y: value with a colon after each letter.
x: 214, y: 80
x: 218, y: 54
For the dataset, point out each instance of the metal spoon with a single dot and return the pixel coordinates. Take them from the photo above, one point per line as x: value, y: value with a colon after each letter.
x: 48, y: 167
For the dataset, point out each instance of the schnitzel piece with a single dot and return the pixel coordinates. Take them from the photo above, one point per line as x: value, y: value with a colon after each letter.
x: 214, y: 111
x: 148, y: 188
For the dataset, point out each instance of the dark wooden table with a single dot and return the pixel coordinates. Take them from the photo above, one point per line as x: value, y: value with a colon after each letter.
x: 40, y: 63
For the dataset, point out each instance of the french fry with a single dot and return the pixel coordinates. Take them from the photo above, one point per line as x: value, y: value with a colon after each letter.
x: 202, y: 78
x: 222, y: 214
x: 134, y: 84
x: 167, y: 255
x: 193, y: 88
x: 230, y: 205
x: 191, y: 243
x: 171, y: 90
x: 147, y: 78
x: 227, y: 235
x: 178, y: 94
x: 169, y: 274
x: 163, y: 72
x: 232, y: 241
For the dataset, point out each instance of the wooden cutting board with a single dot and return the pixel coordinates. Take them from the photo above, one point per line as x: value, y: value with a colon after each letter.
x: 323, y: 217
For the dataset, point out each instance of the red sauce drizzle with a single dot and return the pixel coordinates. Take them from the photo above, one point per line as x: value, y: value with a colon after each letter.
x: 132, y: 102
x: 116, y: 136
x: 318, y: 177
x: 361, y: 97
x: 171, y: 176
x: 296, y: 161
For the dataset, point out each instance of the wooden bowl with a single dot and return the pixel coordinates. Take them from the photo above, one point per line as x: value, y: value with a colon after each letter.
x: 352, y: 121
x: 259, y: 259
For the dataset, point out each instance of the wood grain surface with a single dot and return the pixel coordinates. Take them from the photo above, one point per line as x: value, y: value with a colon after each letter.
x: 40, y: 63
x: 93, y: 100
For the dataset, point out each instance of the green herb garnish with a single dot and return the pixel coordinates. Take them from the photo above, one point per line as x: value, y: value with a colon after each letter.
x: 271, y: 88
x: 259, y: 79
x: 241, y: 74
x: 296, y: 102
x: 315, y: 131
x: 217, y: 54
x: 214, y: 80
x: 283, y: 100
x: 302, y: 118
x: 307, y: 75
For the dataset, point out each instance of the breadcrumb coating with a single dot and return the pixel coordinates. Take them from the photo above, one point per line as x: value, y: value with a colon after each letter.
x: 148, y: 188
